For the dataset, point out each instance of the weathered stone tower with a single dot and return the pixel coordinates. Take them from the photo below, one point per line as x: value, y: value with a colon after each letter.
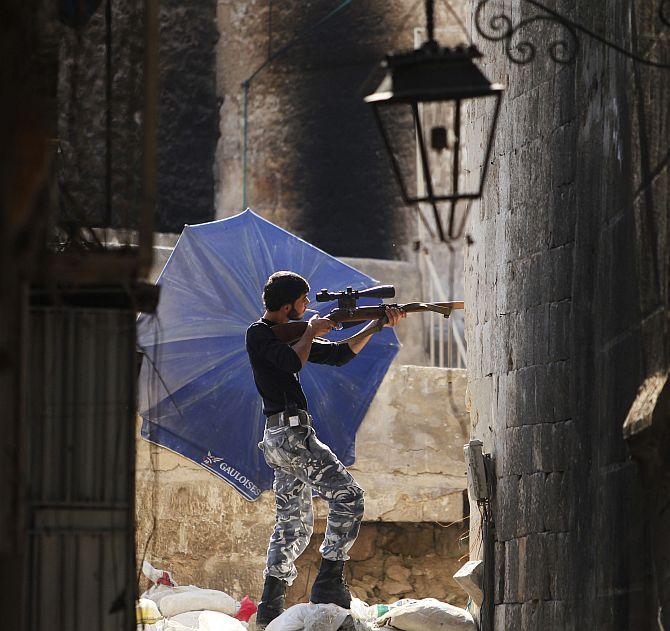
x: 314, y: 159
x: 568, y: 279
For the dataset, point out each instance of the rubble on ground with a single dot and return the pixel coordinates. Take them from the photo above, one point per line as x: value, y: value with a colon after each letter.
x: 167, y: 606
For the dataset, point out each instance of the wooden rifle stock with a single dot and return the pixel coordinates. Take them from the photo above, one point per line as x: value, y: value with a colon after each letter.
x: 292, y: 331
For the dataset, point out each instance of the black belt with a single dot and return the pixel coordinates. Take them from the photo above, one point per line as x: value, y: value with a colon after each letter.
x: 284, y: 419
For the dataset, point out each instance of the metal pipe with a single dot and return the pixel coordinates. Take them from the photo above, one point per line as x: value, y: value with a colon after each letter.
x: 149, y: 134
x: 245, y: 133
x: 108, y: 116
x: 435, y: 279
x: 441, y: 343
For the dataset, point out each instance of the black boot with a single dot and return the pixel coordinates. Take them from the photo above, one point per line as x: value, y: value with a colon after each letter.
x: 272, y: 601
x: 329, y: 585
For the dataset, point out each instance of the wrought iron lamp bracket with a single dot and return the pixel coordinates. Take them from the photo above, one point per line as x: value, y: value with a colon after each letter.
x: 499, y: 27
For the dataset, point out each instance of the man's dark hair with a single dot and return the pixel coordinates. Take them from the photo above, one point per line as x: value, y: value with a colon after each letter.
x: 283, y: 288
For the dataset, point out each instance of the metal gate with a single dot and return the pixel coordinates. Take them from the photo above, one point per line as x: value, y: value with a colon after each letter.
x: 80, y: 407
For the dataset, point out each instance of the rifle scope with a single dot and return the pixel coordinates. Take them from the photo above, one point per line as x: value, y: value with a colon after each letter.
x: 380, y: 291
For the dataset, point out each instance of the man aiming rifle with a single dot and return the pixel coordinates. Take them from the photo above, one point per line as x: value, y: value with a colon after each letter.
x: 300, y: 461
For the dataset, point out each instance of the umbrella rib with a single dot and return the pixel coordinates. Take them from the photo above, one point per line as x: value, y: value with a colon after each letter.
x: 160, y: 377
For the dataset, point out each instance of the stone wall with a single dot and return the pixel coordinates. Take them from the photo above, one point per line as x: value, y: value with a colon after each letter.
x: 393, y: 560
x: 567, y: 287
x: 409, y: 460
x: 187, y: 123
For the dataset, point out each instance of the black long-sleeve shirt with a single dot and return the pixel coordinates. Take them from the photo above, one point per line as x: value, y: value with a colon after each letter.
x: 276, y: 366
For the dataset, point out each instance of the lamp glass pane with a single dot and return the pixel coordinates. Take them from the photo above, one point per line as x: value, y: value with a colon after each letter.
x: 397, y: 122
x: 441, y: 134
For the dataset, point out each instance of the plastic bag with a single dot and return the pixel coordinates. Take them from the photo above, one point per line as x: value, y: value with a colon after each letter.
x: 247, y: 609
x: 428, y: 614
x: 157, y: 577
x: 309, y: 617
x: 360, y: 610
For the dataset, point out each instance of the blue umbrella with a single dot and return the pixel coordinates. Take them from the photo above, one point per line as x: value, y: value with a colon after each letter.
x: 196, y: 391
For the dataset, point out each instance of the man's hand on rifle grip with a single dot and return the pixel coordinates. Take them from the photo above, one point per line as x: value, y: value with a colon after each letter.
x: 393, y: 316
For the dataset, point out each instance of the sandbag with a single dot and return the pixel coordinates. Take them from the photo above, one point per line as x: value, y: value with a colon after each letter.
x: 217, y: 621
x: 187, y: 619
x: 174, y: 625
x: 197, y: 599
x: 147, y: 612
x: 309, y: 617
x: 428, y: 614
x: 158, y: 592
x: 208, y: 621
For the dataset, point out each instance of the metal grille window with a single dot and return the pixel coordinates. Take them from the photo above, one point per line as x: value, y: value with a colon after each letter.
x: 80, y: 412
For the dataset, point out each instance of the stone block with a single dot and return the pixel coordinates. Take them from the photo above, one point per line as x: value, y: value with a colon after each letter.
x: 564, y: 444
x: 511, y: 571
x: 561, y: 264
x: 409, y: 448
x: 531, y: 616
x: 537, y: 569
x: 562, y: 146
x: 559, y: 333
x: 557, y: 510
x: 535, y: 282
x: 544, y: 393
x: 521, y: 572
x: 506, y: 506
x: 563, y: 95
x: 532, y: 492
x: 554, y: 615
x: 560, y: 580
x: 499, y: 574
x: 559, y: 375
x: 396, y: 588
x: 470, y: 577
x: 543, y: 447
x: 511, y: 386
x: 507, y: 617
x: 397, y: 572
x: 517, y: 455
x: 527, y: 405
x: 562, y: 217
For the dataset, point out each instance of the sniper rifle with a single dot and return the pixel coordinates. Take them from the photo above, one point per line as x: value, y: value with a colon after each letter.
x: 348, y: 311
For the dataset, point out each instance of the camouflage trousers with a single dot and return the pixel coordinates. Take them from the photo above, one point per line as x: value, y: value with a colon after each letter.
x: 302, y: 463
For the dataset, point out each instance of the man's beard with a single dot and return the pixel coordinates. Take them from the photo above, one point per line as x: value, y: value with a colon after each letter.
x: 293, y: 315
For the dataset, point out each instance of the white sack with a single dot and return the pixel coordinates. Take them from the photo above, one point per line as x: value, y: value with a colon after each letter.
x: 429, y: 614
x: 208, y: 621
x: 309, y: 617
x: 188, y: 619
x: 196, y: 599
x: 217, y: 621
x: 175, y: 625
x: 158, y: 592
x: 146, y: 611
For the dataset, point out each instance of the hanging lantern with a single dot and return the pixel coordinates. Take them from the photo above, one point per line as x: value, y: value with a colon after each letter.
x: 422, y: 103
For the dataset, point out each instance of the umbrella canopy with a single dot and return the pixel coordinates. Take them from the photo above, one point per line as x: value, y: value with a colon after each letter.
x: 196, y: 390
